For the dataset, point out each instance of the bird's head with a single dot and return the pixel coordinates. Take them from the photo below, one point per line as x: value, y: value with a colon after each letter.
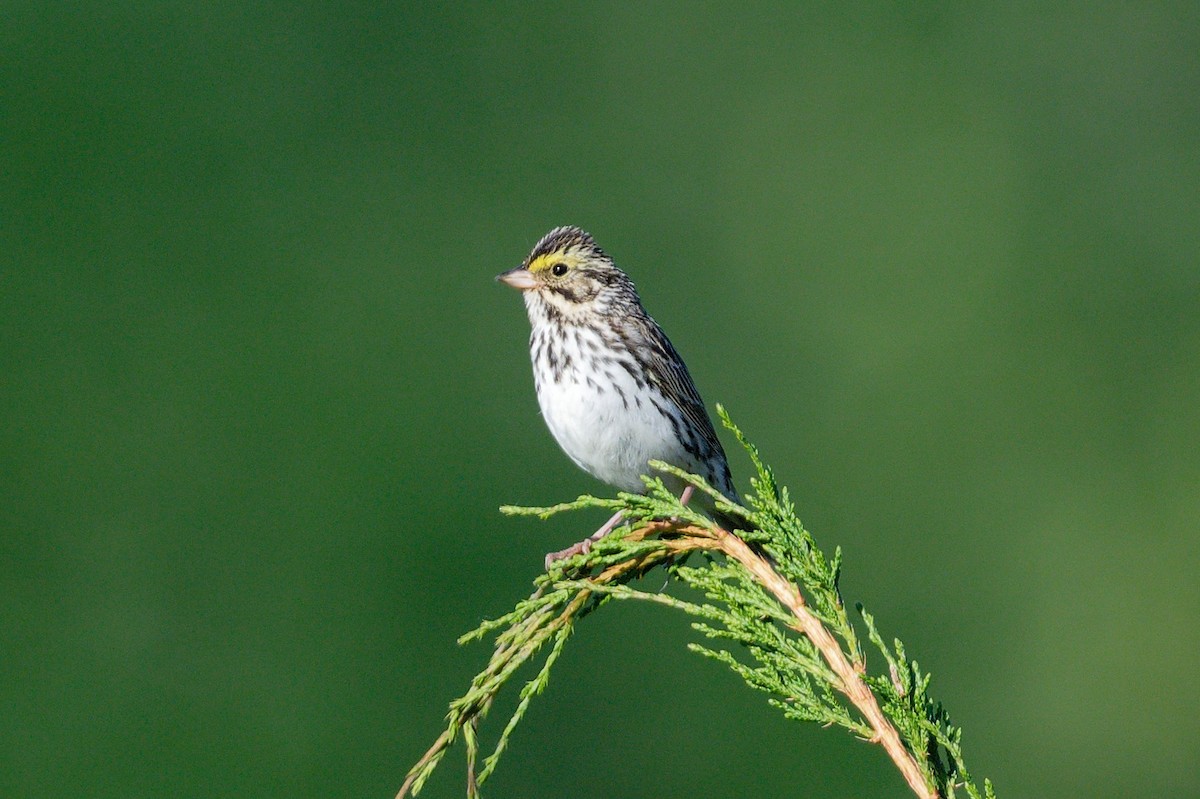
x: 569, y: 272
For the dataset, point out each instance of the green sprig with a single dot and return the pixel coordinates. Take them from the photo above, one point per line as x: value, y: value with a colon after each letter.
x: 741, y: 623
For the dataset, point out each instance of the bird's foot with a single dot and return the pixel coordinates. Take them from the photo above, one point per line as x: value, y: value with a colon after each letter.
x: 585, y: 546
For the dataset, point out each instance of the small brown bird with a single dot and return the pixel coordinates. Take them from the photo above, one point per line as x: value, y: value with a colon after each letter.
x: 613, y: 390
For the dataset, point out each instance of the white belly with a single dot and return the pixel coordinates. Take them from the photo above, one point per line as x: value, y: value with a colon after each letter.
x: 608, y: 426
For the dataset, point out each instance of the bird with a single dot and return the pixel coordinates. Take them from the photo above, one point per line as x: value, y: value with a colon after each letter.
x: 612, y: 389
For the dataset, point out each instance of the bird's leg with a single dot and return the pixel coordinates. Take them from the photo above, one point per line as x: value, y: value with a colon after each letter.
x: 585, y: 546
x: 683, y: 500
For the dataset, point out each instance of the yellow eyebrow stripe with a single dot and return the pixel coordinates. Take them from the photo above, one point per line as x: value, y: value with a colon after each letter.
x: 544, y: 262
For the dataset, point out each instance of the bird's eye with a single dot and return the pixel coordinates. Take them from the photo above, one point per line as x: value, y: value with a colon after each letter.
x: 558, y: 270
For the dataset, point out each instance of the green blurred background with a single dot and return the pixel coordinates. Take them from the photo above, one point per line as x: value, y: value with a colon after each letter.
x: 261, y: 397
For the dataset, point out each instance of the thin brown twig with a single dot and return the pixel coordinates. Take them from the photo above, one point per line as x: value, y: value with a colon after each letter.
x: 852, y: 684
x: 697, y: 538
x: 442, y: 742
x: 693, y: 537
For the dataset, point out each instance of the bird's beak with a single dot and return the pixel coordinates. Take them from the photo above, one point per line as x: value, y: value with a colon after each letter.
x: 519, y: 278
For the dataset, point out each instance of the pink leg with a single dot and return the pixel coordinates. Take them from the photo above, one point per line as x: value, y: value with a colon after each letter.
x: 585, y: 546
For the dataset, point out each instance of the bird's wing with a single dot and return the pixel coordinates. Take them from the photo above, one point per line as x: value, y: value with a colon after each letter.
x: 669, y: 374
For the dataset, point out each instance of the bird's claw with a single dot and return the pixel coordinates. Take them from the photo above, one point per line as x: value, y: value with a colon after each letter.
x: 585, y: 546
x: 581, y: 548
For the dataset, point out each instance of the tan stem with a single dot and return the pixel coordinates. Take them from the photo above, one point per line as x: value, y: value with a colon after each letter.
x: 852, y: 684
x: 693, y: 538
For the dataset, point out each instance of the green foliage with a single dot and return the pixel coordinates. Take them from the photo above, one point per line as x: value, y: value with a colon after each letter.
x: 742, y: 620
